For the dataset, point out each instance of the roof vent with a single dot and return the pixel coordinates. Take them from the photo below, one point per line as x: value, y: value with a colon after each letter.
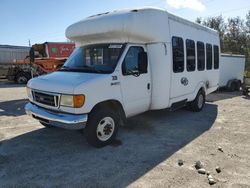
x: 135, y: 10
x: 99, y: 14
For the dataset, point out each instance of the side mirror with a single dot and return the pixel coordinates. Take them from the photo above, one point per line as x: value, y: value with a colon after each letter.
x: 142, y: 62
x: 32, y: 55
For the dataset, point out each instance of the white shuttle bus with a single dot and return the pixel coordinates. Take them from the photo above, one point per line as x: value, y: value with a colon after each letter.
x: 126, y: 62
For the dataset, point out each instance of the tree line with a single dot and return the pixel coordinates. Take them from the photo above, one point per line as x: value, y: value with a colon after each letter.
x: 234, y: 34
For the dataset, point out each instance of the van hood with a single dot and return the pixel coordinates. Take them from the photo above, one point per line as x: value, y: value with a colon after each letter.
x: 62, y: 82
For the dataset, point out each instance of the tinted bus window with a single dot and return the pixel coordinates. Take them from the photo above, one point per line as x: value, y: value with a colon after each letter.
x: 178, y: 54
x: 130, y: 63
x: 190, y: 51
x: 201, y: 56
x: 216, y: 57
x: 209, y: 56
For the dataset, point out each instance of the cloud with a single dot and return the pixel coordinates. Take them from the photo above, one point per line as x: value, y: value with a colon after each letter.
x: 191, y: 4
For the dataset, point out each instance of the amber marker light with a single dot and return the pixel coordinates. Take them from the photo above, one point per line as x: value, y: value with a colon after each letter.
x: 78, y: 101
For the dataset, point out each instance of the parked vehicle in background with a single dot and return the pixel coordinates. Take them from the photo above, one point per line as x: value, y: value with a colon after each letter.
x: 9, y: 56
x: 50, y: 56
x: 246, y: 84
x: 126, y: 62
x: 47, y: 57
x: 231, y: 71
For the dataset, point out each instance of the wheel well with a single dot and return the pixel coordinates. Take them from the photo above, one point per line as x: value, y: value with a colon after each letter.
x: 202, y: 89
x: 230, y: 82
x: 115, y: 105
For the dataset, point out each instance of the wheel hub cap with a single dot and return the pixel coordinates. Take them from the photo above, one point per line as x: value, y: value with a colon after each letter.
x: 200, y: 101
x: 105, y: 129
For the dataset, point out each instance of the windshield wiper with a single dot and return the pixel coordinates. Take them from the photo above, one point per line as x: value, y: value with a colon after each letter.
x: 65, y: 68
x: 81, y: 69
x: 92, y: 68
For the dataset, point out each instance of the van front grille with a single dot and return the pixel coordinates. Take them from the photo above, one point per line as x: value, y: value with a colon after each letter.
x: 45, y: 99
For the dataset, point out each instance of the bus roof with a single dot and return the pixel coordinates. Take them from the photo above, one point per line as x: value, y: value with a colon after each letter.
x: 144, y: 25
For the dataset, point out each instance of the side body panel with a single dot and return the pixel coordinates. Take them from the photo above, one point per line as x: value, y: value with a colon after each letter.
x: 196, y: 79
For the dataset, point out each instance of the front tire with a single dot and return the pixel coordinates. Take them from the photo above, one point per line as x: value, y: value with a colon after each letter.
x: 102, y: 127
x: 199, y: 102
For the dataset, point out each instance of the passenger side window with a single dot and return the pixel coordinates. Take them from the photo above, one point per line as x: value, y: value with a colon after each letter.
x: 130, y: 62
x: 178, y: 54
x: 209, y: 56
x: 216, y: 57
x: 201, y: 56
x: 190, y: 51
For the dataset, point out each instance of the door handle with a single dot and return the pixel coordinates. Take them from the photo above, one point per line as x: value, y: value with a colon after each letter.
x: 148, y: 86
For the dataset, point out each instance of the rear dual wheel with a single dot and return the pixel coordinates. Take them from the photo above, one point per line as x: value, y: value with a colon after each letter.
x: 199, y: 102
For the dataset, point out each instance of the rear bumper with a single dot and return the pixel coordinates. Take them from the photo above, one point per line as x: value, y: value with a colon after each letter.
x: 57, y: 119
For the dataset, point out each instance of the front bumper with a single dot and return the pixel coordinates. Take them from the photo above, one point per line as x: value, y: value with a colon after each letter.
x: 57, y: 119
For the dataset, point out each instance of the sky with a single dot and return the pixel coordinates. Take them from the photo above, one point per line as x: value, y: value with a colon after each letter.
x: 46, y: 20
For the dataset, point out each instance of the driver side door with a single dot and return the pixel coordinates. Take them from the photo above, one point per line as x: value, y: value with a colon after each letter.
x: 135, y: 86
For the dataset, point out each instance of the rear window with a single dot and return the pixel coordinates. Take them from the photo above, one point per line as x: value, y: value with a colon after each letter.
x: 216, y: 57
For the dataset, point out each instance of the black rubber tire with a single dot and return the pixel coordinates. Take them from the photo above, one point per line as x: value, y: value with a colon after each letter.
x: 46, y: 124
x: 28, y: 75
x: 194, y: 104
x: 238, y: 84
x: 94, y: 118
x: 22, y: 78
x: 233, y: 86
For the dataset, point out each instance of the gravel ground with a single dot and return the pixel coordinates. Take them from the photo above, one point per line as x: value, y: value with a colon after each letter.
x: 146, y: 153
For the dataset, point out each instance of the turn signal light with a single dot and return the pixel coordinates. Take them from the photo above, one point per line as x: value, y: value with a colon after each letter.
x: 78, y: 101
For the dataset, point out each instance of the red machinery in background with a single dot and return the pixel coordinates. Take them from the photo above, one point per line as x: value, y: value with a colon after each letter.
x: 44, y: 58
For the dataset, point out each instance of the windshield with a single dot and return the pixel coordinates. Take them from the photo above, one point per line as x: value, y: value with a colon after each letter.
x: 100, y: 58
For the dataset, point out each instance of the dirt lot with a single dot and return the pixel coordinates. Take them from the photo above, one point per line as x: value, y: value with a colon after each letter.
x: 151, y: 145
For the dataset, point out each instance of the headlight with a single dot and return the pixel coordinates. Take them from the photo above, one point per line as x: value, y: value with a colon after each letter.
x: 75, y: 101
x: 29, y: 93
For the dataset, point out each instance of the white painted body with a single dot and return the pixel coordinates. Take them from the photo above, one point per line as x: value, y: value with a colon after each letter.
x: 153, y: 30
x: 231, y: 68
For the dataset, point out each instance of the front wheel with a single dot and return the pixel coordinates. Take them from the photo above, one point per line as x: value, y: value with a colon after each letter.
x: 199, y: 102
x: 102, y: 127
